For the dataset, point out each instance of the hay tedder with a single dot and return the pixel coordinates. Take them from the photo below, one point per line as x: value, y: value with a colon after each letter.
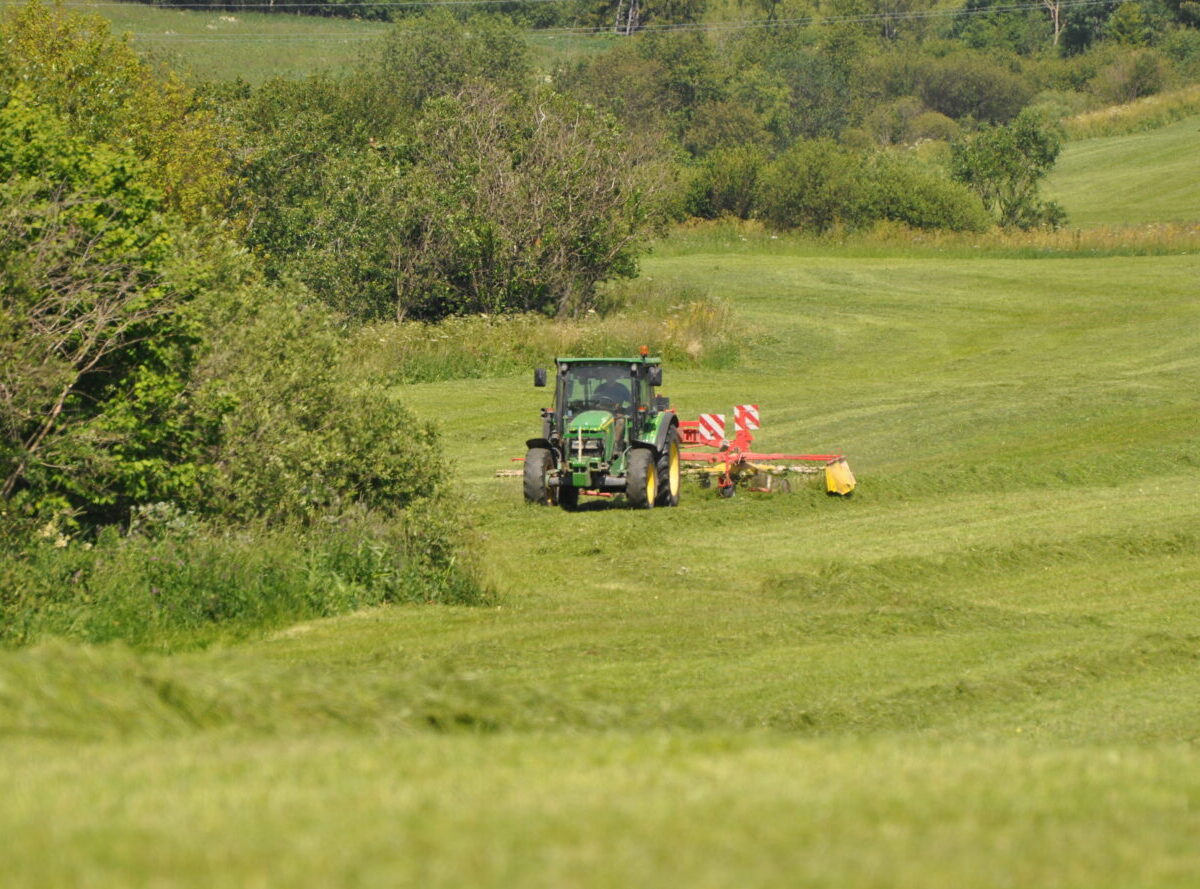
x: 730, y: 462
x: 611, y: 433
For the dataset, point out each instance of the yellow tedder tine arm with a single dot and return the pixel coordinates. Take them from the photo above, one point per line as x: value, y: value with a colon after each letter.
x: 838, y: 478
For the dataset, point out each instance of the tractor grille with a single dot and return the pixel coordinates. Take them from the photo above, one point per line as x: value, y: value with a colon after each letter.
x: 592, y: 448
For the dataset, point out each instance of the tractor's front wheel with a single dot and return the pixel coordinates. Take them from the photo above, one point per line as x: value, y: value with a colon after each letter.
x: 669, y: 471
x: 538, y: 463
x: 641, y: 485
x: 568, y: 498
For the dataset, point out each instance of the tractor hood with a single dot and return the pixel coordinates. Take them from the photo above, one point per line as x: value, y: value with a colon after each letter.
x: 590, y: 421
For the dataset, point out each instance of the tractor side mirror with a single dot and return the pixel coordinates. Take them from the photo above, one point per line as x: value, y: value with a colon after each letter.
x: 539, y: 377
x: 656, y: 375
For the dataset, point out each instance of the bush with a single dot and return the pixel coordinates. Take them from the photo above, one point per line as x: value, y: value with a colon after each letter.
x: 971, y: 85
x: 1133, y: 76
x: 817, y: 186
x: 726, y: 183
x: 813, y: 186
x: 899, y: 190
x: 95, y: 347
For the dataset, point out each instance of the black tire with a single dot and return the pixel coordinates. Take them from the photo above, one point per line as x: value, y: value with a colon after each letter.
x: 670, y: 478
x: 568, y: 498
x: 538, y: 463
x: 641, y: 484
x: 726, y: 491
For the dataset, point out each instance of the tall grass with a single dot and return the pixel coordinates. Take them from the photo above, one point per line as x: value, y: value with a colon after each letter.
x: 1138, y: 116
x: 891, y: 239
x: 184, y: 584
x: 682, y: 325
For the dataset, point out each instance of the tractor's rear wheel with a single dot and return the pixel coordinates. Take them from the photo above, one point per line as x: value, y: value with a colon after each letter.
x: 669, y: 471
x: 538, y: 463
x: 641, y: 486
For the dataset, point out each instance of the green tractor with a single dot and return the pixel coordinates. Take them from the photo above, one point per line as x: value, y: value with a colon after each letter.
x: 607, y: 434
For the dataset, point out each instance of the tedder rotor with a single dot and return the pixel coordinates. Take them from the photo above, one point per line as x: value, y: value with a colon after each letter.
x: 730, y: 461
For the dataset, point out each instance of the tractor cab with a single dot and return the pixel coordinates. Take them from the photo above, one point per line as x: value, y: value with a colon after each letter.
x: 597, y: 395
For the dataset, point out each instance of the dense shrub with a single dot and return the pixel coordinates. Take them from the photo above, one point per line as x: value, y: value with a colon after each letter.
x: 726, y: 183
x: 819, y: 185
x: 967, y: 84
x: 898, y: 189
x: 814, y: 185
x: 1133, y: 76
x: 94, y: 346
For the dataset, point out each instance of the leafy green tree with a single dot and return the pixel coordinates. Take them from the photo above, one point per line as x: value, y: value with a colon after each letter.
x: 103, y: 92
x: 1004, y: 165
x: 1129, y: 25
x: 518, y: 205
x: 491, y: 201
x: 996, y: 24
x: 438, y: 54
x: 94, y: 346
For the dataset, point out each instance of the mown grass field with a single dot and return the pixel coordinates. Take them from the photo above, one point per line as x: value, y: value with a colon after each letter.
x: 1146, y: 177
x: 981, y: 670
x: 259, y: 46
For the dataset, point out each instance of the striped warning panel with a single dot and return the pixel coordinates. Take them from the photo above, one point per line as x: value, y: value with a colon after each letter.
x: 711, y: 427
x: 745, y: 417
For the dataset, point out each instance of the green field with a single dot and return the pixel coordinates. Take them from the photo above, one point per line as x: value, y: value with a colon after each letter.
x: 259, y: 46
x: 981, y: 670
x: 1141, y: 178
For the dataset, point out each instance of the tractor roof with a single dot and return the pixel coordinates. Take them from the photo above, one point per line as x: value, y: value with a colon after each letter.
x: 636, y: 359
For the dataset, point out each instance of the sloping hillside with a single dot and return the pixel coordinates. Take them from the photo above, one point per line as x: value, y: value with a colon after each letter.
x: 992, y: 647
x: 1153, y: 176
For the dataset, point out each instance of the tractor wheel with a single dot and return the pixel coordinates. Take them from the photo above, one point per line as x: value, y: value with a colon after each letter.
x: 538, y: 463
x: 641, y: 486
x: 669, y: 471
x: 568, y: 498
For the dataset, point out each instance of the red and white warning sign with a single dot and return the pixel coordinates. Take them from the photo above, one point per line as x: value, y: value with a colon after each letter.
x: 745, y: 417
x: 711, y: 427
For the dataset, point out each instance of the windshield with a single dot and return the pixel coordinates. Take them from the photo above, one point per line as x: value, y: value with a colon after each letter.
x: 603, y: 387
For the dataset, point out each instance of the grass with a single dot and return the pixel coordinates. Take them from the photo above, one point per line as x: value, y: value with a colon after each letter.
x: 1145, y: 177
x: 684, y: 325
x: 981, y: 670
x: 228, y: 45
x: 1147, y: 113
